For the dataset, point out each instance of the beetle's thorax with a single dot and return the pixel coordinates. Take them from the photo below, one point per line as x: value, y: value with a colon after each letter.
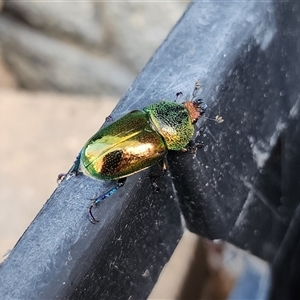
x: 193, y: 110
x: 173, y: 122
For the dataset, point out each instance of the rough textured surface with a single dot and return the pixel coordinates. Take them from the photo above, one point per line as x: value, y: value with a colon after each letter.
x: 7, y: 79
x: 50, y: 64
x: 77, y: 21
x: 82, y: 47
x: 142, y: 28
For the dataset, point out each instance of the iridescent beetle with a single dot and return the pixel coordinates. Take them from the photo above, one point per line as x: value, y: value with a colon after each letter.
x: 137, y: 141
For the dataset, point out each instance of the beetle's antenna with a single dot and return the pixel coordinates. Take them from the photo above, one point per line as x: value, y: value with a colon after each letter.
x: 97, y: 200
x: 217, y: 119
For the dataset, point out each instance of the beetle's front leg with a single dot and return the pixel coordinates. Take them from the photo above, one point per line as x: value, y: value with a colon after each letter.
x: 72, y: 172
x: 192, y: 147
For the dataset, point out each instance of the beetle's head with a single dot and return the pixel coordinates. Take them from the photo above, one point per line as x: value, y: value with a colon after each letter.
x: 196, y: 108
x: 201, y: 105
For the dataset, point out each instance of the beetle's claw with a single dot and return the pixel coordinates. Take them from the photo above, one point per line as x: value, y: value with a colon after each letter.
x: 66, y: 176
x: 108, y: 118
x: 155, y: 185
x: 91, y: 216
x: 192, y: 147
x: 179, y: 94
x: 61, y: 177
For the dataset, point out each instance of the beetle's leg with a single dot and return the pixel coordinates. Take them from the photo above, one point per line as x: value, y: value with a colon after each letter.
x: 73, y: 171
x: 75, y: 168
x: 192, y: 147
x: 179, y: 94
x: 162, y: 174
x: 109, y: 118
x: 97, y: 200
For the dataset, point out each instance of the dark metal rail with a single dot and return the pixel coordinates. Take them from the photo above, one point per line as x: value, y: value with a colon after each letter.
x: 243, y: 186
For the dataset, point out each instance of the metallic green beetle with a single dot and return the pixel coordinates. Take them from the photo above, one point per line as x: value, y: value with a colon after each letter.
x: 137, y: 141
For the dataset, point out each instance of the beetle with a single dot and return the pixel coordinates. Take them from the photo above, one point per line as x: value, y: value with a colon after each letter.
x: 137, y: 141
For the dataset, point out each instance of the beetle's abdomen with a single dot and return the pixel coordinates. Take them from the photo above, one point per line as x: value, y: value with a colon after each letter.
x: 173, y: 122
x: 124, y: 147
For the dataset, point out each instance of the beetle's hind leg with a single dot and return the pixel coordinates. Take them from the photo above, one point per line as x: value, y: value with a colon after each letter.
x: 97, y: 200
x: 72, y: 172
